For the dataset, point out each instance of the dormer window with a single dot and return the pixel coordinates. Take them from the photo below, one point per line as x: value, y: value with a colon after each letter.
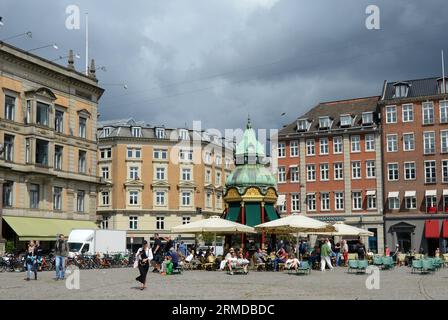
x: 302, y: 125
x: 441, y: 84
x: 324, y: 122
x: 183, y: 134
x: 367, y: 118
x: 106, y: 132
x: 346, y: 120
x: 160, y: 133
x: 136, y: 131
x: 401, y: 90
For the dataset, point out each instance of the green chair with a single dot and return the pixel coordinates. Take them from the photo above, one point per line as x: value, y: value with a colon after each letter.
x: 417, y: 265
x: 362, y: 265
x: 438, y: 263
x: 352, y: 265
x: 388, y: 263
x: 304, y: 268
x: 377, y: 261
x: 428, y: 266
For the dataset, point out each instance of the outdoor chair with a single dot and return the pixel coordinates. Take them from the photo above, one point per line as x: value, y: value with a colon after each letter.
x: 352, y: 265
x: 401, y: 259
x: 210, y: 264
x: 378, y: 261
x: 352, y: 256
x: 428, y: 266
x: 260, y: 266
x: 445, y: 259
x: 304, y: 268
x: 417, y: 265
x: 178, y: 270
x: 388, y: 263
x: 437, y: 263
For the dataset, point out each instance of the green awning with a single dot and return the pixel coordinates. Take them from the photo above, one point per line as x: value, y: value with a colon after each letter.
x: 271, y: 213
x: 233, y: 213
x: 253, y: 214
x: 45, y: 229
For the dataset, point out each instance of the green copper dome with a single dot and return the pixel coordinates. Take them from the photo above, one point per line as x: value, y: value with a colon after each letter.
x: 249, y: 170
x: 248, y: 175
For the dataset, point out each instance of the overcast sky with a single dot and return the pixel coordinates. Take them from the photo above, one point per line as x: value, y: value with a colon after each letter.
x: 220, y: 60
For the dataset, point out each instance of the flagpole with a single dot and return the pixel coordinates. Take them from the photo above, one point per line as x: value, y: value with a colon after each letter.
x: 87, y: 43
x: 443, y: 74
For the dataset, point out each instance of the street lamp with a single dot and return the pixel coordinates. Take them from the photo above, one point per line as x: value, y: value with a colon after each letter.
x: 54, y: 45
x: 28, y: 34
x: 123, y: 85
x: 102, y: 68
x: 1, y: 22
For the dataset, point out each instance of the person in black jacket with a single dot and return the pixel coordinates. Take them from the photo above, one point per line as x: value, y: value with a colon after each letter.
x: 31, y: 261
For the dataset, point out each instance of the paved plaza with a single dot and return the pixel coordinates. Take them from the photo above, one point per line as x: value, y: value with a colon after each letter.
x: 119, y: 284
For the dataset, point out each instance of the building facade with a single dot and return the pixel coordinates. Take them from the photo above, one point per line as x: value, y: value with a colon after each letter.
x: 414, y: 119
x: 157, y: 178
x: 48, y: 168
x: 329, y: 166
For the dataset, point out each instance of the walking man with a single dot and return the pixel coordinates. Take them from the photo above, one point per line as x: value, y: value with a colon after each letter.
x: 61, y: 251
x: 325, y: 252
x: 157, y: 251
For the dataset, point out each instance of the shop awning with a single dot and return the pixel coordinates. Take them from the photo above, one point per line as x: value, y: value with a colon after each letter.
x: 445, y: 192
x: 445, y: 229
x: 233, y: 213
x: 432, y: 229
x: 371, y: 192
x: 410, y: 194
x: 270, y: 212
x: 253, y: 214
x: 45, y: 229
x: 431, y: 193
x: 393, y: 194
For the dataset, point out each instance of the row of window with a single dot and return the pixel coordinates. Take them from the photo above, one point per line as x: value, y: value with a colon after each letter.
x: 41, y: 155
x: 409, y: 168
x: 137, y: 132
x: 162, y: 154
x: 43, y: 115
x: 408, y: 114
x: 134, y: 222
x: 338, y: 200
x: 324, y: 146
x: 161, y: 174
x: 34, y: 192
x: 429, y: 142
x: 410, y: 202
x: 324, y: 169
x: 325, y: 122
x: 161, y: 198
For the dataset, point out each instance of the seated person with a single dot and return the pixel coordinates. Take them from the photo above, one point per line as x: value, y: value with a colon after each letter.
x: 259, y: 257
x: 292, y: 262
x: 232, y: 262
x: 167, y: 259
x: 169, y: 265
x: 174, y: 257
x: 225, y: 261
x: 281, y: 258
x: 242, y: 261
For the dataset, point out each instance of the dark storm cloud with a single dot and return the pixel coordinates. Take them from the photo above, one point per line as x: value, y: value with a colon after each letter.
x: 219, y: 60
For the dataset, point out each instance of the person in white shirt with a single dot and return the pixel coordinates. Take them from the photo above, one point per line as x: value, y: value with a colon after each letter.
x: 226, y: 259
x: 143, y: 258
x: 292, y: 262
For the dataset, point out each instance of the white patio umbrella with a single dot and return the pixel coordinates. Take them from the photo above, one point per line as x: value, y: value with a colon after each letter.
x: 294, y: 223
x: 214, y: 225
x: 342, y: 229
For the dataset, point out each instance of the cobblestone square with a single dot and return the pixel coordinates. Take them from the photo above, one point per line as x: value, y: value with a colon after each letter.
x: 112, y: 284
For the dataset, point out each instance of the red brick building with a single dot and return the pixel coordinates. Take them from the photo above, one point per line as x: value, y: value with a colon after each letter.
x: 414, y: 120
x: 329, y: 165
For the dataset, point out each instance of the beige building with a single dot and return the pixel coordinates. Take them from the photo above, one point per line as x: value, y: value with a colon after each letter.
x: 48, y: 165
x: 158, y: 178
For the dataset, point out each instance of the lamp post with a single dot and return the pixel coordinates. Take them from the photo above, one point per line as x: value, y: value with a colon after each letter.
x: 77, y: 56
x: 28, y: 34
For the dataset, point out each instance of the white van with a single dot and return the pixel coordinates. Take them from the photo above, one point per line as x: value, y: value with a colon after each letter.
x: 92, y: 241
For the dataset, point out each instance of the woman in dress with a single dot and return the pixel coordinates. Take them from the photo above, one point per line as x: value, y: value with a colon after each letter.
x: 144, y: 257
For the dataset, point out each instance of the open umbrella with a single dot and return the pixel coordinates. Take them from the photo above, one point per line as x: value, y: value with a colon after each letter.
x: 214, y: 225
x: 294, y: 223
x: 342, y: 229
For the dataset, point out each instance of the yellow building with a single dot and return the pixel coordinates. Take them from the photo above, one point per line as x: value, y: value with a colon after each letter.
x: 48, y: 164
x: 158, y: 177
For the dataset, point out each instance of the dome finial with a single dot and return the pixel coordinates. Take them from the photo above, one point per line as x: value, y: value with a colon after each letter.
x: 249, y: 125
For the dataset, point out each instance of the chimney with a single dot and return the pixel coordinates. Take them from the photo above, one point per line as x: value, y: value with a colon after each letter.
x: 71, y: 60
x: 92, y: 69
